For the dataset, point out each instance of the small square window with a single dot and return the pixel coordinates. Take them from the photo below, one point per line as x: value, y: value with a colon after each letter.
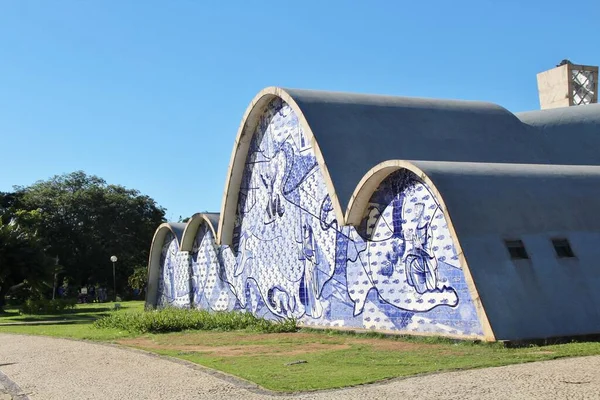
x: 562, y: 248
x: 516, y: 249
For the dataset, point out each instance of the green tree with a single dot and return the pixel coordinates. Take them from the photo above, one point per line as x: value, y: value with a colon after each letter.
x: 85, y: 221
x: 23, y: 260
x: 139, y: 278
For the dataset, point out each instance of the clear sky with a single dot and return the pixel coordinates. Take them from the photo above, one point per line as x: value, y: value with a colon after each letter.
x: 149, y: 94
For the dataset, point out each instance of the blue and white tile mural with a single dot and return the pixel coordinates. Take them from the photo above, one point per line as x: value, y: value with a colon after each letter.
x: 170, y: 279
x: 290, y: 257
x: 208, y: 288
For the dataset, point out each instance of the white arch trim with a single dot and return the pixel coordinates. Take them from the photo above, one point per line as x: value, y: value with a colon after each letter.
x: 240, y: 151
x: 191, y: 229
x: 360, y: 200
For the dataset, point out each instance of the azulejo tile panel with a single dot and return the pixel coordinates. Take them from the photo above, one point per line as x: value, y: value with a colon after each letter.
x: 290, y: 257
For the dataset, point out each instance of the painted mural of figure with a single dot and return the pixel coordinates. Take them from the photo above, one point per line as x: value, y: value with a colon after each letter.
x: 310, y: 285
x: 421, y: 265
x: 274, y: 206
x: 279, y: 209
x: 394, y: 257
x: 397, y: 260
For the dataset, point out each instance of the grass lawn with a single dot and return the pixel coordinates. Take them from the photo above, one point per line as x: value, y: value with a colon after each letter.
x: 76, y: 324
x: 306, y: 360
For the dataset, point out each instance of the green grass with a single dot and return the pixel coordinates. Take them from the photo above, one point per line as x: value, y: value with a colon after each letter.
x: 76, y: 324
x: 88, y: 311
x: 333, y: 359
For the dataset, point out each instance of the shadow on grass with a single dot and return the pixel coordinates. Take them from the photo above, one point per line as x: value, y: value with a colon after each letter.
x: 61, y: 317
x: 11, y: 313
x: 74, y: 313
x: 440, y: 340
x: 47, y: 322
x: 87, y: 310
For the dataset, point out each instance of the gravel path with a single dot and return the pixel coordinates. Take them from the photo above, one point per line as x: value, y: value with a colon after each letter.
x: 46, y: 368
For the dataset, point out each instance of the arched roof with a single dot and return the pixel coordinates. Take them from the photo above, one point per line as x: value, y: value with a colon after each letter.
x: 492, y: 198
x: 351, y: 133
x: 177, y: 230
x: 192, y: 226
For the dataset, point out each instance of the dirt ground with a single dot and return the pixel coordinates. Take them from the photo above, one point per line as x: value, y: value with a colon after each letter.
x: 296, y: 344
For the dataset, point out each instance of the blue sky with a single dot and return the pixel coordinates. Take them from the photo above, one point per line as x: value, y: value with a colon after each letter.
x: 149, y: 94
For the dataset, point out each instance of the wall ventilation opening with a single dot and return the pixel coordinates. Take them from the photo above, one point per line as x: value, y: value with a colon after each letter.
x: 516, y: 249
x: 562, y: 248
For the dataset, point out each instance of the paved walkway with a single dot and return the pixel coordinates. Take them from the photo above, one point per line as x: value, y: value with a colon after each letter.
x: 33, y: 367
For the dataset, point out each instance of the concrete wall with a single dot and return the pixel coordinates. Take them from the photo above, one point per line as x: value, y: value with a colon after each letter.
x: 545, y: 295
x: 553, y: 87
x: 568, y: 85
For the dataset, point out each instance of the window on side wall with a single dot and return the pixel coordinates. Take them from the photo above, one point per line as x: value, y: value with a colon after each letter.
x: 562, y: 247
x: 516, y: 249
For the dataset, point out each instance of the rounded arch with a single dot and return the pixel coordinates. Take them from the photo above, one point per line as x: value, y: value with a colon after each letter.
x: 370, y: 182
x: 154, y: 262
x: 237, y: 162
x: 367, y: 186
x: 192, y: 226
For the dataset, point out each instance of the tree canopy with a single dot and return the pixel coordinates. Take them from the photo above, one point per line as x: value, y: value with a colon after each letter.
x: 22, y: 254
x: 83, y: 221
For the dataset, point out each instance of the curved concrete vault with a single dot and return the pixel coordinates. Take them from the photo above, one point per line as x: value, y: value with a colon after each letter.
x: 433, y: 190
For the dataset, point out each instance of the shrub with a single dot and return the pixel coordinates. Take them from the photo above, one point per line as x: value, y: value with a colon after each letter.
x: 176, y: 319
x: 47, y: 307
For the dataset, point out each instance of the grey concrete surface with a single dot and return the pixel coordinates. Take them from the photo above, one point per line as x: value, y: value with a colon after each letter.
x: 48, y: 368
x: 355, y: 132
x: 543, y: 296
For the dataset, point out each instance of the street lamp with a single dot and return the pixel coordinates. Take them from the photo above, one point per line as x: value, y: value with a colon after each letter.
x: 114, y: 259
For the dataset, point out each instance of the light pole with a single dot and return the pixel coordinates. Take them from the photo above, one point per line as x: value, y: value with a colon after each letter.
x: 114, y: 259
